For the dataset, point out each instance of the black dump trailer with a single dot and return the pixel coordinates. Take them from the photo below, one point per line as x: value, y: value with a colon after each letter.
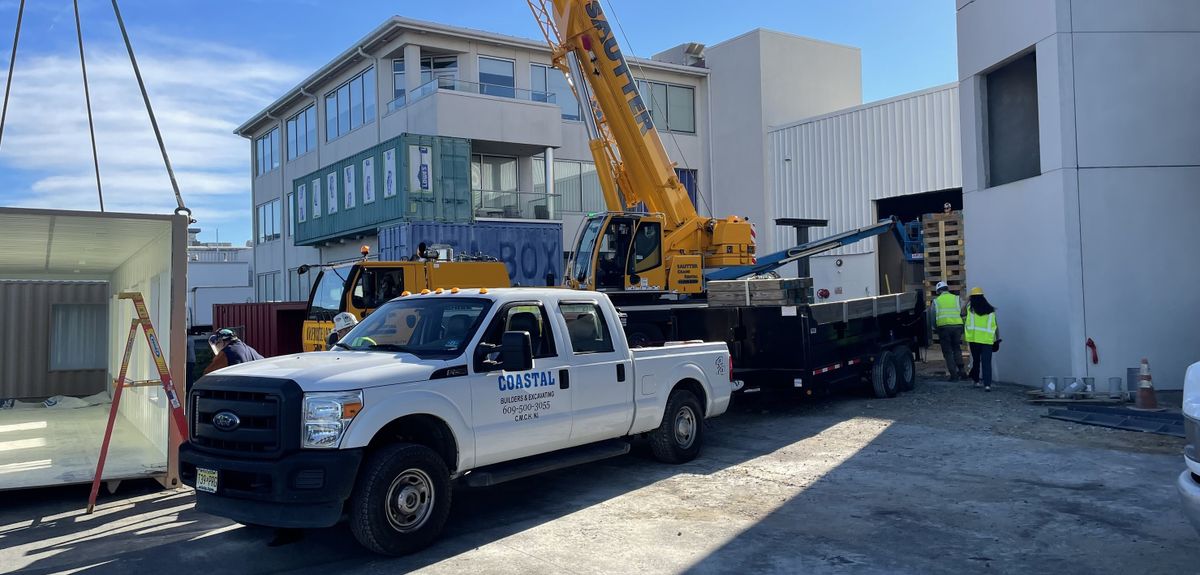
x: 815, y: 347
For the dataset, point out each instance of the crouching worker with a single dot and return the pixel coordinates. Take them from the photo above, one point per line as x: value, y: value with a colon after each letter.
x: 228, y: 350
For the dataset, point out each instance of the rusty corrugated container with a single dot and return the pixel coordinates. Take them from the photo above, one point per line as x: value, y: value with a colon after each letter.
x: 272, y: 328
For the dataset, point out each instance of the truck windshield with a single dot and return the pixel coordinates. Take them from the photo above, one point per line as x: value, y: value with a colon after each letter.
x: 431, y: 326
x: 327, y: 294
x: 585, y: 251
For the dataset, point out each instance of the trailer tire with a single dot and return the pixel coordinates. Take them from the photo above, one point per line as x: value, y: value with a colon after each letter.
x: 906, y: 368
x: 401, y: 500
x: 643, y: 334
x: 884, y: 376
x: 678, y: 437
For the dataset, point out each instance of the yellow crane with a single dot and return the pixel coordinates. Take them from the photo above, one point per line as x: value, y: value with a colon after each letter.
x: 666, y: 248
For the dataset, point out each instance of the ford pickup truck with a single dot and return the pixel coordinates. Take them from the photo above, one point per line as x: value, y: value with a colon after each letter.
x: 1189, y: 481
x: 474, y: 386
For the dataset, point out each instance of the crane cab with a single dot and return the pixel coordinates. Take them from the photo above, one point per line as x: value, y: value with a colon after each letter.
x: 621, y: 251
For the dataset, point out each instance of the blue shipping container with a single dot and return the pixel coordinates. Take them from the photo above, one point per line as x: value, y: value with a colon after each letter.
x: 528, y: 249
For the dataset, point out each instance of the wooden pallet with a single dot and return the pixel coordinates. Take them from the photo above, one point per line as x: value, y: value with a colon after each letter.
x: 945, y: 254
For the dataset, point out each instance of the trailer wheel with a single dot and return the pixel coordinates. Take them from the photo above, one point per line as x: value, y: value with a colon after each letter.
x: 678, y: 437
x: 906, y: 368
x: 884, y: 376
x: 402, y: 499
x: 643, y: 334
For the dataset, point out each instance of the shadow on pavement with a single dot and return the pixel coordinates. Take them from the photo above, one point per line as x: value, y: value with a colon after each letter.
x: 144, y: 528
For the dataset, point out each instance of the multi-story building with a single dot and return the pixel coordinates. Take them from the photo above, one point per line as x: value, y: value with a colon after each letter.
x: 422, y: 122
x: 1080, y: 161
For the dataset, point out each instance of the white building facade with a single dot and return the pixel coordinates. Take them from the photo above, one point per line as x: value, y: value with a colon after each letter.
x: 1081, y: 159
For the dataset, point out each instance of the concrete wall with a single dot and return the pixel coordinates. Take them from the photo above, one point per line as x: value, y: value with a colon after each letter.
x: 759, y: 79
x: 1102, y: 232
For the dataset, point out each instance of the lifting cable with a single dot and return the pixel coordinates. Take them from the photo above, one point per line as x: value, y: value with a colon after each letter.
x: 612, y: 9
x: 87, y: 98
x: 12, y: 59
x: 182, y: 209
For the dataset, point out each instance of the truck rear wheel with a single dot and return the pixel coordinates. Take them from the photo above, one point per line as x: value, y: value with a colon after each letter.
x: 678, y: 437
x: 884, y: 377
x: 401, y: 500
x: 906, y: 368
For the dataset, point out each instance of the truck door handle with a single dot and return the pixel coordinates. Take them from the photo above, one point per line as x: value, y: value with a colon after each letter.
x: 620, y: 372
x: 564, y: 379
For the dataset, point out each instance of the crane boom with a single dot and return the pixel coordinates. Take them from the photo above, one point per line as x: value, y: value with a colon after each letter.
x: 665, y: 248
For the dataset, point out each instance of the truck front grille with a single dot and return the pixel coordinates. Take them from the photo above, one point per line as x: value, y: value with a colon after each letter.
x: 257, y: 415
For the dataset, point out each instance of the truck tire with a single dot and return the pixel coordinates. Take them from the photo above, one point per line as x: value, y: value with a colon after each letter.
x: 884, y: 376
x: 906, y: 368
x: 401, y: 499
x: 678, y: 437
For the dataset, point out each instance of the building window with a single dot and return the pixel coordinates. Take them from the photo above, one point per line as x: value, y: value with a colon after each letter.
x: 266, y: 287
x: 268, y: 221
x: 74, y: 331
x: 266, y: 152
x: 350, y: 106
x: 671, y: 107
x: 1013, y: 152
x: 496, y: 77
x: 300, y: 285
x: 576, y: 185
x: 688, y: 179
x: 302, y: 133
x: 289, y: 223
x: 546, y: 80
x: 444, y: 68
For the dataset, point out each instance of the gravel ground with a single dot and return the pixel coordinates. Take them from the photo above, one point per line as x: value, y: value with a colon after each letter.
x: 944, y: 479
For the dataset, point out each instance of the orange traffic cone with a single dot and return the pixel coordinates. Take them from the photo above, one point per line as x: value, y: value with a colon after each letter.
x: 1145, y: 393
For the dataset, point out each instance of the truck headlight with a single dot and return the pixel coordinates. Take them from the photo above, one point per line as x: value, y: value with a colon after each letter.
x: 326, y: 417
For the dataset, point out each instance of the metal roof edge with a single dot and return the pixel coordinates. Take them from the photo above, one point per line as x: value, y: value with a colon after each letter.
x: 84, y: 214
x: 868, y: 105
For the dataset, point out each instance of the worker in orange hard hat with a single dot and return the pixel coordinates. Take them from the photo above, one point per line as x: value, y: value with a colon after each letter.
x: 982, y: 335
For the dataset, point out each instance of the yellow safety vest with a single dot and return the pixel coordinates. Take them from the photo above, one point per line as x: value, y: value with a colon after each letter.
x: 980, y: 328
x: 945, y: 307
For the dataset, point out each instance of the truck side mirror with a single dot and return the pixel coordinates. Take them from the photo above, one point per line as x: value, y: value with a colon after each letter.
x: 516, y: 351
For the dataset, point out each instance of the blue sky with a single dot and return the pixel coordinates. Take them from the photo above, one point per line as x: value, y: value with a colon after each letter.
x: 210, y: 64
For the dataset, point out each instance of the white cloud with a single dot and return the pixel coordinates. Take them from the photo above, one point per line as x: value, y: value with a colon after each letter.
x: 200, y: 90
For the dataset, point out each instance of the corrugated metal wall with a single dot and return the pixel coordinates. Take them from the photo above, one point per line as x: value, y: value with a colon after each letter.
x: 270, y: 328
x: 528, y: 249
x: 832, y: 167
x: 25, y: 332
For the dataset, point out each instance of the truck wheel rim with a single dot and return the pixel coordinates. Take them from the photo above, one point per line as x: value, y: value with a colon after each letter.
x: 410, y: 500
x: 685, y: 427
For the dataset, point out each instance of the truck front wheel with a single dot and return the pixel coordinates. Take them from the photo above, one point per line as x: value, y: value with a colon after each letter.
x: 678, y: 437
x: 401, y: 500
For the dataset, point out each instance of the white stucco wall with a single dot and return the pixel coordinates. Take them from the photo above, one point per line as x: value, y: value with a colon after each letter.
x: 1099, y: 245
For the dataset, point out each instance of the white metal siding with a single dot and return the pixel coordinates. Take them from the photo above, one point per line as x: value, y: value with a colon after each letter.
x: 833, y: 166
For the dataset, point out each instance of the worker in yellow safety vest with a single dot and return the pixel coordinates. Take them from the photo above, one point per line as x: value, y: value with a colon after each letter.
x: 982, y: 336
x: 947, y: 311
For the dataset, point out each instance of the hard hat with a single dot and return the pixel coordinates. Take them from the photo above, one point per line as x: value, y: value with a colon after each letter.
x: 941, y: 286
x: 977, y: 291
x: 344, y: 320
x: 220, y: 338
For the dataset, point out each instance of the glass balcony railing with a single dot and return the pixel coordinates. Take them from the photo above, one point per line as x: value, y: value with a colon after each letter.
x: 470, y: 88
x: 515, y: 205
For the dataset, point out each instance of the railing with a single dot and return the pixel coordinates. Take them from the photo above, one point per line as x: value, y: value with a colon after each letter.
x: 515, y: 205
x: 470, y: 88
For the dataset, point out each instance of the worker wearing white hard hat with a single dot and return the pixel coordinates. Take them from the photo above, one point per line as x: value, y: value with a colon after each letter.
x: 948, y: 318
x: 342, y: 324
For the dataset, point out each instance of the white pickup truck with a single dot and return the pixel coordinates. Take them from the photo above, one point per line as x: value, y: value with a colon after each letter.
x: 1189, y: 481
x: 479, y: 386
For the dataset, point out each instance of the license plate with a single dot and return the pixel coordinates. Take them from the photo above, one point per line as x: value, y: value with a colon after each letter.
x: 206, y: 480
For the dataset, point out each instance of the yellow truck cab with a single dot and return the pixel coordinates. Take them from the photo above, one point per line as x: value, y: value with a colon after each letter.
x: 361, y: 286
